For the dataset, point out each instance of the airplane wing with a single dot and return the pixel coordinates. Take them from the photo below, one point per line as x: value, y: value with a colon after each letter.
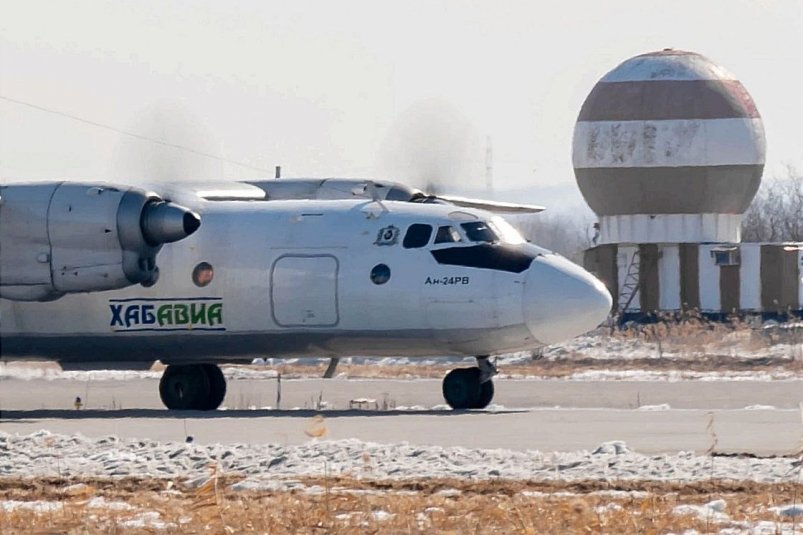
x: 71, y: 237
x: 189, y: 192
x: 493, y: 206
x: 230, y: 191
x: 349, y: 188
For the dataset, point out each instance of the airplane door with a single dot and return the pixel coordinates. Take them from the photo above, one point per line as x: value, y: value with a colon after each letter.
x: 303, y: 291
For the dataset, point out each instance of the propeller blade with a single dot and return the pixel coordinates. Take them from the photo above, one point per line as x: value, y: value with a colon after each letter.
x: 493, y: 206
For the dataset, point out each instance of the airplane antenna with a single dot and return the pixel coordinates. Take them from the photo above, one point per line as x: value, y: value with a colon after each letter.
x: 278, y: 171
x: 370, y: 189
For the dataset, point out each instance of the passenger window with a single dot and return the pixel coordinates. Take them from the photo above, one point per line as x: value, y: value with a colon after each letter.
x: 479, y: 231
x: 447, y: 234
x: 417, y: 236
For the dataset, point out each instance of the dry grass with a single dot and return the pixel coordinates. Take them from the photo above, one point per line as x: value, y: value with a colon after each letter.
x: 555, y: 368
x: 342, y: 505
x: 692, y: 334
x: 690, y: 345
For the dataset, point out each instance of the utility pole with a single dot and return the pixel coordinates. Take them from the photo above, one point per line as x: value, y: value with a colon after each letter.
x: 489, y: 167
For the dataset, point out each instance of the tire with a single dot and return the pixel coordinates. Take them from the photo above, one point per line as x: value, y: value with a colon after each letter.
x: 185, y: 387
x: 486, y: 395
x: 462, y: 389
x: 217, y: 386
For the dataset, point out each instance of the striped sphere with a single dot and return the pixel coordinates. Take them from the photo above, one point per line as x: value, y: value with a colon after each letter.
x: 668, y: 132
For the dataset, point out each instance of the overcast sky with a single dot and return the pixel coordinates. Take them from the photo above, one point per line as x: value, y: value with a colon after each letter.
x: 406, y: 90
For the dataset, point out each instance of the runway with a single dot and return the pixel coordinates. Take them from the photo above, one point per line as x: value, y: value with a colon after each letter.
x: 758, y: 417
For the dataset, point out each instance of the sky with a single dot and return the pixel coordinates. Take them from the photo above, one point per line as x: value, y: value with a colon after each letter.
x: 414, y: 91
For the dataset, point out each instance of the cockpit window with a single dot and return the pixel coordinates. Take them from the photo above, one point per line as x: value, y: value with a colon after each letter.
x: 479, y: 231
x: 447, y: 234
x: 506, y: 231
x: 417, y: 236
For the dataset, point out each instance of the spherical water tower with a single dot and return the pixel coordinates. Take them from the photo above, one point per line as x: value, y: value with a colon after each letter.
x: 668, y: 147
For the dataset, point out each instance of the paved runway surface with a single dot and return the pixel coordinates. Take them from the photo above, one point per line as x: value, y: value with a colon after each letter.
x: 526, y: 417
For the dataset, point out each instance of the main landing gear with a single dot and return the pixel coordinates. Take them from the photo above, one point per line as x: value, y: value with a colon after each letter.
x: 470, y: 388
x: 197, y: 387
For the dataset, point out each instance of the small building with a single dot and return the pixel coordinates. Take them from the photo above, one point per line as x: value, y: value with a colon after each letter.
x: 717, y: 279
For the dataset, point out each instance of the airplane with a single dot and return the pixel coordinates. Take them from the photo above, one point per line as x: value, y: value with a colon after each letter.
x: 195, y: 275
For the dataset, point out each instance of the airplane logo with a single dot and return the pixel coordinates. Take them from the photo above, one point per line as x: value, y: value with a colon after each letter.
x: 143, y: 314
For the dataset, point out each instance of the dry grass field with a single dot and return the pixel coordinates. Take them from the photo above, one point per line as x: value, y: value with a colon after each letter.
x: 554, y: 369
x: 692, y: 346
x: 335, y: 505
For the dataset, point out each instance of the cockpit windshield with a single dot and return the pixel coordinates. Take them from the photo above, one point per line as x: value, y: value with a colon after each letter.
x: 447, y: 234
x: 506, y: 231
x: 495, y: 230
x: 479, y: 231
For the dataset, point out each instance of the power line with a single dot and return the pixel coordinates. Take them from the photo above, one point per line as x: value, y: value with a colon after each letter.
x: 133, y: 134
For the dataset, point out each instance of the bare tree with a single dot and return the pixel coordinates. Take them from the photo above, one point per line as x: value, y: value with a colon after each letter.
x: 776, y: 213
x: 563, y: 234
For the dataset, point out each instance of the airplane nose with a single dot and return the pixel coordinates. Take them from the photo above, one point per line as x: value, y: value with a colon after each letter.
x: 562, y: 300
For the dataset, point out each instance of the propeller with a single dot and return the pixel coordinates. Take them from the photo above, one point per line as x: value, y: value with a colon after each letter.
x: 168, y: 143
x: 433, y: 147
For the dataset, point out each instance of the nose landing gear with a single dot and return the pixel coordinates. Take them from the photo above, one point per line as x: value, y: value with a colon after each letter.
x: 199, y: 387
x: 470, y: 388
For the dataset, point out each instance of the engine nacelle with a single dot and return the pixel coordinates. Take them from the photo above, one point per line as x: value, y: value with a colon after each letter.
x: 59, y: 238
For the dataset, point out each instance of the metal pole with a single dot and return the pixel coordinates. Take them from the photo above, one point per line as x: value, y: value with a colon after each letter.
x: 279, y: 391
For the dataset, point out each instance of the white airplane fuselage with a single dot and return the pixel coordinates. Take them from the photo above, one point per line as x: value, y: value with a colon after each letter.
x: 305, y: 278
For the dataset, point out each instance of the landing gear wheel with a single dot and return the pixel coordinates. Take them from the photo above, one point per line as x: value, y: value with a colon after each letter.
x: 217, y: 384
x: 192, y: 387
x: 462, y: 389
x: 486, y: 395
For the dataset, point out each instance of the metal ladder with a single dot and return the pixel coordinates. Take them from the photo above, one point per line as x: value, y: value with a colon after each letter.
x: 630, y: 286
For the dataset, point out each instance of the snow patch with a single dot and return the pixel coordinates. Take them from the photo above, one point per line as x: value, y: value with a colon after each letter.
x: 614, y: 447
x: 673, y: 376
x: 788, y: 510
x: 269, y: 485
x: 147, y: 519
x: 661, y: 407
x: 709, y: 512
x: 99, y: 502
x: 381, y: 516
x: 607, y: 508
x: 35, y: 506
